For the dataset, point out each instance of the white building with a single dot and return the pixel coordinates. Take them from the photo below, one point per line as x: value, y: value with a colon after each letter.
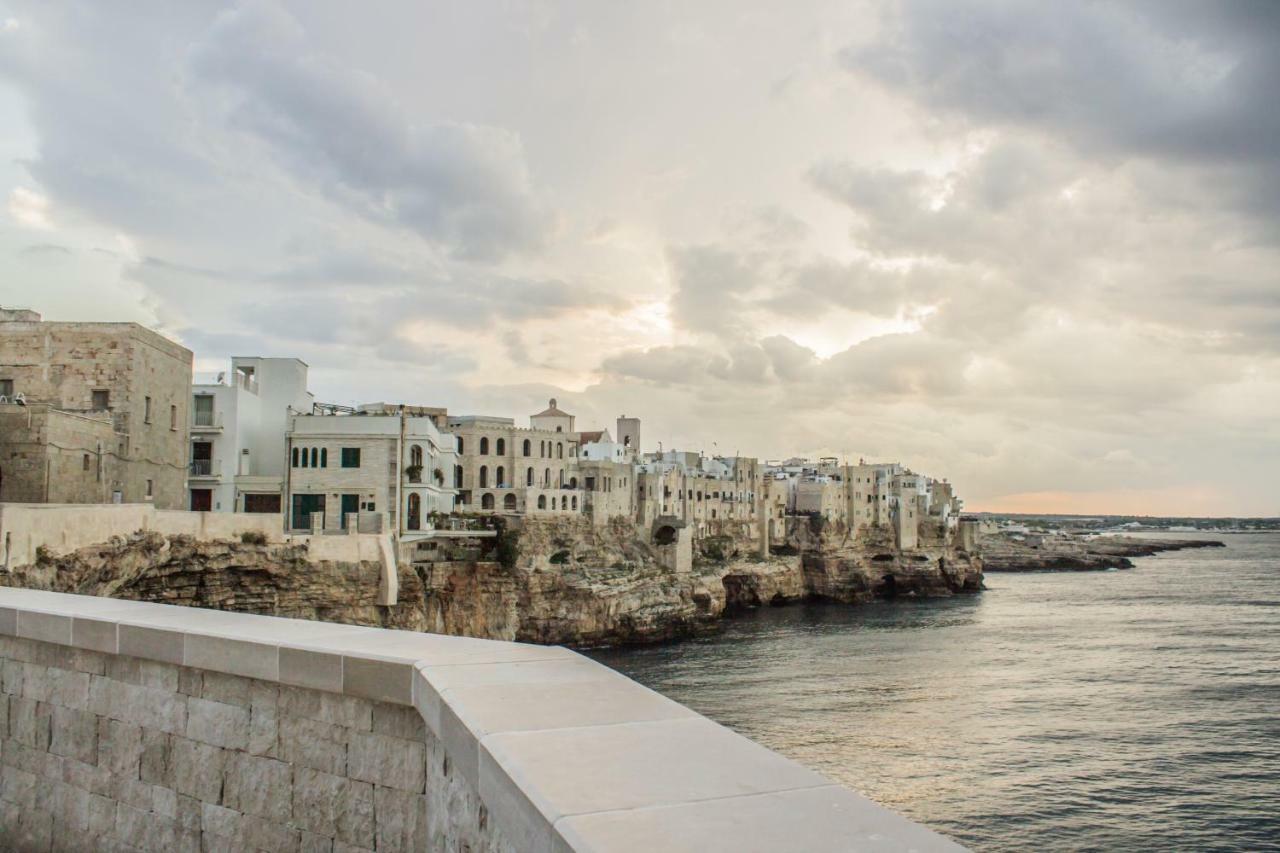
x: 389, y: 470
x: 238, y: 425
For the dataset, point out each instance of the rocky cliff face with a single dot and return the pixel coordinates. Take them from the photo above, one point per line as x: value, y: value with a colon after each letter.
x: 552, y: 581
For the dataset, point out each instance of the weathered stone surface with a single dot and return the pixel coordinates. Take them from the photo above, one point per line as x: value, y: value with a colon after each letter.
x: 74, y: 734
x: 144, y: 673
x: 258, y: 786
x: 218, y: 723
x: 401, y: 820
x: 119, y: 747
x: 29, y: 722
x: 230, y: 689
x: 348, y: 711
x: 264, y: 731
x: 67, y: 688
x: 333, y: 806
x: 196, y: 769
x: 398, y: 721
x: 156, y: 753
x: 386, y: 760
x: 311, y: 743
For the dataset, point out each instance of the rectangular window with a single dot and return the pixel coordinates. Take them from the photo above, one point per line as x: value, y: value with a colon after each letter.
x: 6, y: 389
x: 350, y: 457
x: 173, y: 417
x: 101, y: 400
x: 150, y: 492
x: 204, y: 410
x: 146, y: 410
x: 295, y: 457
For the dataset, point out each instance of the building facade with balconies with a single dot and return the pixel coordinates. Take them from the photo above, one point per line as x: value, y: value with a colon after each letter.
x: 239, y: 422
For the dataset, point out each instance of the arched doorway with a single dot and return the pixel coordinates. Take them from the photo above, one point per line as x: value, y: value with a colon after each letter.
x: 486, y: 501
x: 509, y: 502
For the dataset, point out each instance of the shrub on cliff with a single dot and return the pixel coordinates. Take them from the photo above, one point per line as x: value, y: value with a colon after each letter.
x: 253, y: 537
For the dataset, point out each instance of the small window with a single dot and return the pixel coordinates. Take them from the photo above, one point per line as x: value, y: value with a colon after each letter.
x: 315, y: 458
x: 484, y: 447
x: 350, y: 457
x: 6, y: 389
x: 324, y: 457
x: 501, y: 447
x: 295, y: 457
x: 173, y: 417
x: 150, y: 486
x: 146, y: 410
x: 371, y: 509
x: 86, y: 462
x: 101, y: 400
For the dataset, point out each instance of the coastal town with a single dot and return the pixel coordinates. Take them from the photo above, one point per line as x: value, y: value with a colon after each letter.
x: 109, y: 413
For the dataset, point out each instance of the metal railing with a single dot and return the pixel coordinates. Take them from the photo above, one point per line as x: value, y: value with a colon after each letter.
x: 202, y: 467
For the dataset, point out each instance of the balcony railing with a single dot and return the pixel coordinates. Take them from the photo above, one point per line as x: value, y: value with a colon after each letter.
x: 202, y: 467
x: 206, y: 420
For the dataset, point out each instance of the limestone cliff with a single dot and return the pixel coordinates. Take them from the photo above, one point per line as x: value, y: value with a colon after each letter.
x: 559, y: 580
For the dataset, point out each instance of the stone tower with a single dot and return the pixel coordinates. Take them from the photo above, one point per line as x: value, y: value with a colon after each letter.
x: 628, y: 434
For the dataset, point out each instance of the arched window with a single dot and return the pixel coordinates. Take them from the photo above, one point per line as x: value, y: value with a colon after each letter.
x: 542, y: 449
x: 575, y: 503
x: 457, y: 476
x: 484, y: 476
x: 528, y: 477
x: 415, y: 511
x: 460, y: 451
x: 305, y: 457
x: 562, y: 478
x: 528, y: 447
x: 484, y: 446
x: 315, y: 458
x: 295, y: 457
x: 324, y: 457
x: 486, y: 502
x: 546, y: 478
x: 564, y: 502
x: 509, y: 502
x: 501, y: 447
x: 559, y: 449
x: 542, y: 501
x: 415, y: 455
x: 500, y: 476
x: 573, y: 483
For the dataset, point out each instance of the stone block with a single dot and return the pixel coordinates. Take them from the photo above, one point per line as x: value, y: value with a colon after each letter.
x: 624, y: 766
x: 264, y: 731
x: 145, y: 673
x: 384, y: 760
x: 29, y: 722
x: 147, y: 798
x: 231, y: 689
x: 400, y: 820
x: 258, y: 834
x: 88, y: 777
x: 347, y: 711
x: 156, y: 752
x: 12, y: 675
x: 96, y: 634
x: 154, y: 644
x: 144, y: 830
x: 264, y: 694
x: 190, y: 681
x: 398, y: 721
x: 65, y: 687
x: 74, y: 734
x: 25, y: 828
x: 45, y: 627
x: 333, y: 806
x: 149, y: 707
x: 188, y: 812
x: 19, y: 786
x: 217, y: 723
x: 119, y: 747
x: 317, y: 670
x: 241, y: 657
x: 196, y: 769
x: 258, y: 786
x: 312, y: 843
x: 37, y: 761
x: 219, y: 820
x: 8, y: 621
x: 379, y: 680
x: 311, y: 743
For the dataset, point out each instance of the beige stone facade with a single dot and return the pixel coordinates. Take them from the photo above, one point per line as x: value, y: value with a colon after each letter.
x: 139, y: 379
x: 51, y: 456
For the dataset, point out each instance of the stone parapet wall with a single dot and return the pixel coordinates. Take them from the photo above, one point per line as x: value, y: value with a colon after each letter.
x: 135, y: 726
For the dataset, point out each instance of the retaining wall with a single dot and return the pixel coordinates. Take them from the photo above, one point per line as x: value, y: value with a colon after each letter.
x: 151, y: 727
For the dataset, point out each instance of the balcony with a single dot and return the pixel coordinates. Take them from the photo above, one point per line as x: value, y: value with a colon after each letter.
x: 205, y: 422
x: 204, y: 469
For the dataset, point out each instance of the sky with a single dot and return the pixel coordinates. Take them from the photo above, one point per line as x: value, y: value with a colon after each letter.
x: 1030, y: 247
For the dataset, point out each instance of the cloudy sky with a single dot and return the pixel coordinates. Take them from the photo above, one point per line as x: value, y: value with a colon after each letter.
x: 1032, y: 247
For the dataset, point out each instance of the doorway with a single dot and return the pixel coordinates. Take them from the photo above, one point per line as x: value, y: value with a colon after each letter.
x: 202, y: 500
x: 350, y: 504
x: 304, y: 506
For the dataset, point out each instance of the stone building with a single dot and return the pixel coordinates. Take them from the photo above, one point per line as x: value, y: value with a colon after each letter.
x: 505, y: 468
x: 389, y: 471
x: 238, y: 426
x: 138, y: 380
x: 51, y: 456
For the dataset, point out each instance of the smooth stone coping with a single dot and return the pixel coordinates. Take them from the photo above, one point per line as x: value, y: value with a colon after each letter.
x: 566, y: 754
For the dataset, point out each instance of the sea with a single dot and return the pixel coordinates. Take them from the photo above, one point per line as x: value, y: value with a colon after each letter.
x: 1136, y: 709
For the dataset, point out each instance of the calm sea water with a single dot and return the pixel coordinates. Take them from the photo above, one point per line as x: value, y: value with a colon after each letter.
x: 1127, y: 710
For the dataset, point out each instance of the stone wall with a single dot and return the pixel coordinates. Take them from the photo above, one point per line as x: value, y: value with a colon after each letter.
x: 134, y: 726
x: 139, y: 754
x: 58, y: 457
